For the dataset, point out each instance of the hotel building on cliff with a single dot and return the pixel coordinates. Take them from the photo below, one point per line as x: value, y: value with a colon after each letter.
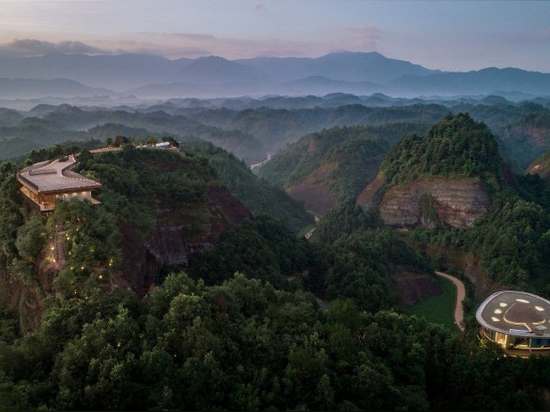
x: 44, y: 183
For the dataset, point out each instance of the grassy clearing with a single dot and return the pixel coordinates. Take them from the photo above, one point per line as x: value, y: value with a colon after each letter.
x: 438, y: 309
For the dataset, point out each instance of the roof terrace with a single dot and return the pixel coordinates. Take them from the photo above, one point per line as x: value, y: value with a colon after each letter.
x: 516, y: 313
x: 45, y: 183
x: 55, y: 176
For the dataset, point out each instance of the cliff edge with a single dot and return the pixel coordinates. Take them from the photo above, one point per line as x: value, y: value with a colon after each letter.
x: 443, y: 178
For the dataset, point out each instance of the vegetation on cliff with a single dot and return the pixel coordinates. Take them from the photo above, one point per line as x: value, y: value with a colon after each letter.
x: 509, y: 239
x: 510, y: 243
x: 140, y: 183
x: 342, y: 159
x: 540, y: 168
x: 244, y: 330
x: 456, y: 147
x: 257, y: 195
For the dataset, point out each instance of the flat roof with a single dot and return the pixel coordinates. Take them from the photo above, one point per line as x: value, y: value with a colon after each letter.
x: 55, y: 176
x: 515, y: 313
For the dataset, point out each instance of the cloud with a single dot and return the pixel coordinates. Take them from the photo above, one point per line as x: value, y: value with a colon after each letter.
x: 192, y: 45
x: 175, y: 45
x: 32, y: 47
x: 169, y: 50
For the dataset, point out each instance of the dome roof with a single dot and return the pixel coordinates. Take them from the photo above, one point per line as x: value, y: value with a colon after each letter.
x: 515, y: 313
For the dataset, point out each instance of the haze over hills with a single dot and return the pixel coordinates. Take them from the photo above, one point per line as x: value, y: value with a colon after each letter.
x: 131, y: 77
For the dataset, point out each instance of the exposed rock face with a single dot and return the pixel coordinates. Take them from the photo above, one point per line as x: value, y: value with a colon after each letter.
x: 414, y: 287
x: 226, y: 208
x: 167, y: 245
x: 428, y: 202
x: 314, y: 191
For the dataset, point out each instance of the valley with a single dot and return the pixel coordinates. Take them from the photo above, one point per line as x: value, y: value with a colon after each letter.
x: 294, y: 205
x: 189, y: 249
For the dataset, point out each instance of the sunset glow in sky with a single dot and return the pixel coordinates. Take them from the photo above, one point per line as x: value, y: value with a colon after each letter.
x: 449, y: 35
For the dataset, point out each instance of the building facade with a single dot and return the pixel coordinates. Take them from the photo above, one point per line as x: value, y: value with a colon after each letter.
x: 517, y: 321
x: 45, y: 183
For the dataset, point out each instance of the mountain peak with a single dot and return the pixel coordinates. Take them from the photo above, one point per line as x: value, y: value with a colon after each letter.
x: 216, y: 70
x: 212, y: 58
x: 354, y: 54
x: 436, y: 179
x: 455, y: 147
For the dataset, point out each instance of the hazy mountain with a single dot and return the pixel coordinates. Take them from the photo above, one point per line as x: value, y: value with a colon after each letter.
x: 119, y: 72
x: 29, y: 88
x: 344, y: 66
x: 484, y: 81
x: 216, y: 70
x: 9, y: 118
x: 320, y: 85
x: 156, y: 77
x: 169, y: 90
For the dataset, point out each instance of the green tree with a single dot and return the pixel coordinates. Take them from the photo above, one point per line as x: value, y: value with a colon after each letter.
x: 31, y: 238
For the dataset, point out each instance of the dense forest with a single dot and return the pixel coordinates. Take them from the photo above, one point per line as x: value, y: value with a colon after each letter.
x: 345, y: 159
x: 259, y: 318
x: 455, y: 147
x: 251, y: 129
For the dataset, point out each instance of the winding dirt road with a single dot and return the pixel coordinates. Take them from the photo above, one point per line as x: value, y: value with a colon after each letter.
x: 460, y: 295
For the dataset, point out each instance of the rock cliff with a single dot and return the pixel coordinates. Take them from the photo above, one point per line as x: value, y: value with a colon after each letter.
x: 427, y: 202
x: 168, y: 246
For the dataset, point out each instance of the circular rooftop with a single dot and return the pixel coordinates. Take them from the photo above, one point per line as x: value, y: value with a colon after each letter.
x: 515, y: 313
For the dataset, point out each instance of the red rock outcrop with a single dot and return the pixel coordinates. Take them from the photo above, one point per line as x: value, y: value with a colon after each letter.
x: 167, y: 245
x: 427, y: 202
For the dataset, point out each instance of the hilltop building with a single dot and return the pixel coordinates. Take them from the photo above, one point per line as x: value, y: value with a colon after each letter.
x: 518, y: 321
x: 44, y: 183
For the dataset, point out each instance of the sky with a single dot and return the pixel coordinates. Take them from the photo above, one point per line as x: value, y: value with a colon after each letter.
x: 454, y: 35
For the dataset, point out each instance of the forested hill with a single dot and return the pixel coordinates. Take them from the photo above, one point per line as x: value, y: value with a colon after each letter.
x: 160, y: 208
x: 445, y: 177
x: 252, y: 128
x: 243, y: 328
x: 457, y: 198
x: 324, y: 168
x: 456, y: 147
x: 256, y: 194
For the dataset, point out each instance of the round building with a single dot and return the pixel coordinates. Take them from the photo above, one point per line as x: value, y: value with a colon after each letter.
x: 516, y: 320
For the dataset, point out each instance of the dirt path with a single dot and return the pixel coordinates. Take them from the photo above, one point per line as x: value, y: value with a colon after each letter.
x: 460, y: 295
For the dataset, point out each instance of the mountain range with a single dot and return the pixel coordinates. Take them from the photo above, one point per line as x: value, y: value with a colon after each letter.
x: 131, y: 77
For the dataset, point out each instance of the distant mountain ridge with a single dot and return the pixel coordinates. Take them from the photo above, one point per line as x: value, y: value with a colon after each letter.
x: 29, y: 88
x: 147, y: 76
x: 344, y: 66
